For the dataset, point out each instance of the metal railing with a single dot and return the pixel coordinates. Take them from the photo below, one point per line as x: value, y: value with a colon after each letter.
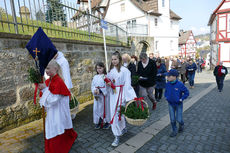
x: 135, y: 29
x: 58, y: 18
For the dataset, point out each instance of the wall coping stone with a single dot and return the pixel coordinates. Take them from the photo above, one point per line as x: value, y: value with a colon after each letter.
x: 57, y: 40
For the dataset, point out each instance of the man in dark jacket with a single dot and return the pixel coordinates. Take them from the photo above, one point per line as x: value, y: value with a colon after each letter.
x: 220, y: 72
x: 147, y: 71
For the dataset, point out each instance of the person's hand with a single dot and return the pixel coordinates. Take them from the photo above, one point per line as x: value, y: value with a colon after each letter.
x: 109, y: 83
x: 96, y: 92
x: 181, y: 100
x: 159, y: 74
x: 41, y: 86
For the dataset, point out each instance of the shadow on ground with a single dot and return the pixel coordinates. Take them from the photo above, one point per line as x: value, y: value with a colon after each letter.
x: 91, y: 140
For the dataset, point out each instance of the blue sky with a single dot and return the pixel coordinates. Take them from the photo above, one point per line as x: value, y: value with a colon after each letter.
x: 195, y: 13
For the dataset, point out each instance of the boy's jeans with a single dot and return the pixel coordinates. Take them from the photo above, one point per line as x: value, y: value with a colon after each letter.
x: 191, y: 79
x: 175, y: 113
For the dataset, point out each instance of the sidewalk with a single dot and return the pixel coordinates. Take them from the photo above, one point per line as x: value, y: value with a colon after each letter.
x: 29, y: 138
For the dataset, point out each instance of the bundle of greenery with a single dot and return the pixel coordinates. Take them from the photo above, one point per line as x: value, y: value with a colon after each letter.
x: 34, y: 75
x: 73, y: 102
x: 135, y: 80
x: 135, y: 112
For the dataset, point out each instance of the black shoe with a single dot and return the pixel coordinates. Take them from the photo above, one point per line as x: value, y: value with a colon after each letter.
x: 106, y: 126
x: 173, y: 134
x: 181, y: 128
x: 97, y: 126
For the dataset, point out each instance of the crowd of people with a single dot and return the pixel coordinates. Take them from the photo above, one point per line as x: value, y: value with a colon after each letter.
x: 128, y: 77
x: 146, y: 78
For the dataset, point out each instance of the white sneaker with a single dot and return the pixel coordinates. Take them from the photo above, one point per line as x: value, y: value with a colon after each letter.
x: 115, y: 142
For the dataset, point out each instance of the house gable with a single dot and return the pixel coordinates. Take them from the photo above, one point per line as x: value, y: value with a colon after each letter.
x: 187, y: 44
x: 153, y: 7
x: 223, y: 7
x: 184, y: 37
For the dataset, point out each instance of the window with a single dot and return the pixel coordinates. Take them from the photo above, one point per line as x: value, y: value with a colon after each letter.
x: 134, y: 23
x: 171, y: 24
x: 156, y: 46
x: 128, y: 24
x: 156, y: 22
x: 123, y: 7
x: 163, y: 3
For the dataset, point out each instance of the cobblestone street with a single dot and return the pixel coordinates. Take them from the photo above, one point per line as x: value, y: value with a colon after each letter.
x: 206, y: 128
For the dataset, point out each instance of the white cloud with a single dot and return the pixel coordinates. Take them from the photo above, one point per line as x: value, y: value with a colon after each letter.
x: 193, y: 28
x: 204, y: 29
x: 199, y: 30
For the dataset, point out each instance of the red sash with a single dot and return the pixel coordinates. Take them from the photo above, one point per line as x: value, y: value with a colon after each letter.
x: 117, y: 105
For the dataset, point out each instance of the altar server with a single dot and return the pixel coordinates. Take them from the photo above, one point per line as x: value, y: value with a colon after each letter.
x: 101, y: 109
x: 59, y: 133
x: 120, y: 92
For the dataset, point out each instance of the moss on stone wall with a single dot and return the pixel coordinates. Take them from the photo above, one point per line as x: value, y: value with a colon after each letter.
x: 84, y: 97
x: 19, y: 115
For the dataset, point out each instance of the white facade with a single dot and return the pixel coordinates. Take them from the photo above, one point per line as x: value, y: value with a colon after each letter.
x: 162, y: 28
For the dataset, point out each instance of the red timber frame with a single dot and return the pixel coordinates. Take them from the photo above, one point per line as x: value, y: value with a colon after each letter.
x: 186, y: 47
x: 219, y: 36
x: 190, y: 43
x: 219, y: 53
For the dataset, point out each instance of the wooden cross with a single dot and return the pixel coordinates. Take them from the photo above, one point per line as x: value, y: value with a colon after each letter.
x: 36, y: 51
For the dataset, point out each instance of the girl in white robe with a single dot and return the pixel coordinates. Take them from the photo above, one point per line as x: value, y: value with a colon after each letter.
x: 101, y: 108
x: 121, y: 78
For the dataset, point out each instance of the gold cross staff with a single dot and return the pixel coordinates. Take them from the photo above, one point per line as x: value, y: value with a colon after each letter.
x: 36, y: 51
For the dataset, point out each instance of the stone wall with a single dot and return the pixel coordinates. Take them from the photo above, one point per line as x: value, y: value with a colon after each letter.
x: 16, y: 93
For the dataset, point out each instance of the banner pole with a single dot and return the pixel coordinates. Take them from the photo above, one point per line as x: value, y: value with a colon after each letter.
x: 106, y: 58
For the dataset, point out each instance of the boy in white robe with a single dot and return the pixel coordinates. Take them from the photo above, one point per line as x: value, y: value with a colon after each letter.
x: 59, y: 133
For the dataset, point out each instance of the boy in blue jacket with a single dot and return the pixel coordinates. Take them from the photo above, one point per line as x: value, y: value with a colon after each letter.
x: 175, y: 94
